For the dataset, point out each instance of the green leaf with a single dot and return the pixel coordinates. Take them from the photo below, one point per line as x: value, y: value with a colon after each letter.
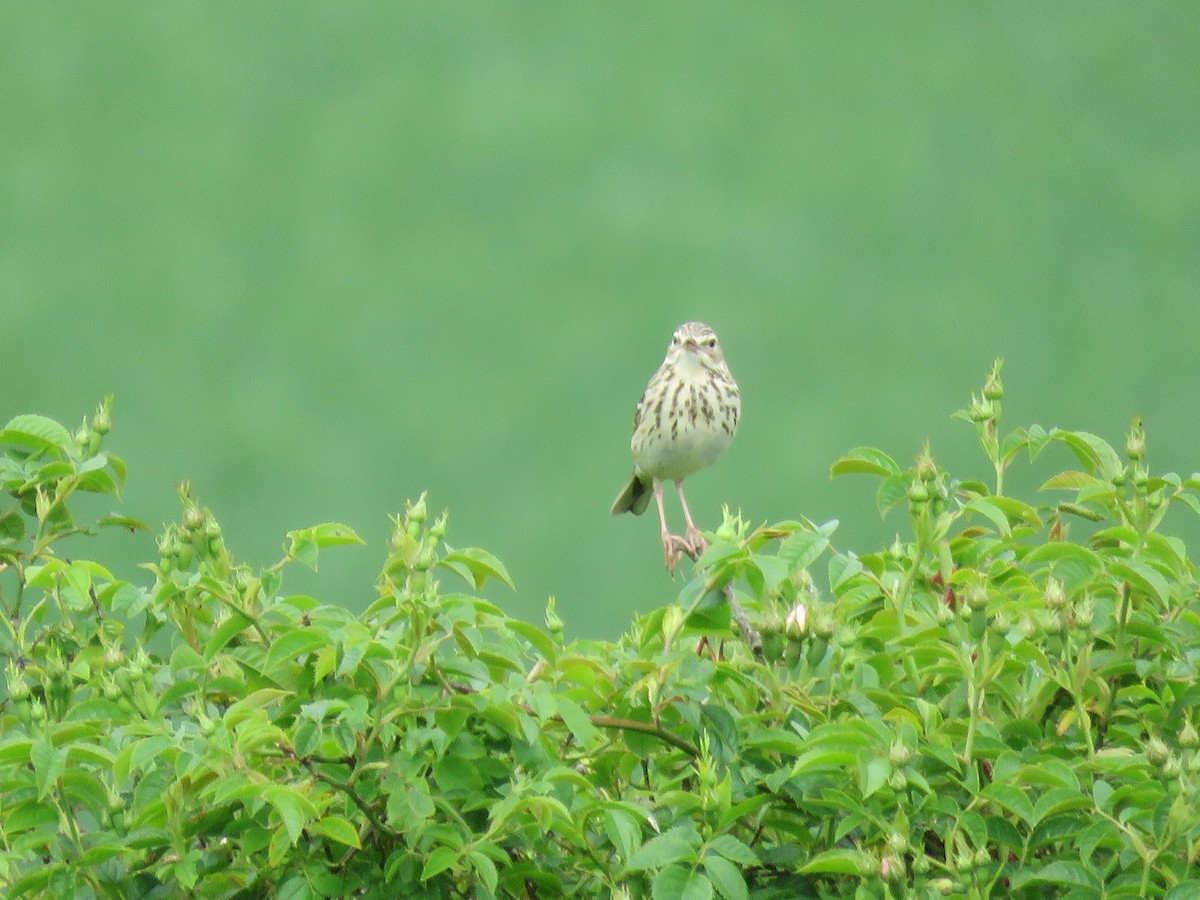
x: 438, y: 861
x: 873, y: 772
x: 1073, y: 481
x: 1061, y: 872
x: 733, y: 850
x: 679, y: 883
x: 726, y: 878
x: 234, y: 625
x: 293, y: 646
x: 843, y: 567
x: 576, y: 720
x: 802, y: 549
x: 866, y: 461
x: 772, y: 569
x: 839, y: 862
x: 476, y: 566
x: 1143, y: 577
x: 295, y: 810
x: 986, y: 507
x: 622, y: 830
x: 538, y: 639
x: 339, y: 829
x: 37, y: 433
x: 304, y: 544
x: 1010, y: 799
x: 1185, y: 890
x: 662, y: 851
x: 891, y: 491
x: 48, y: 762
x: 485, y: 869
x: 1096, y: 454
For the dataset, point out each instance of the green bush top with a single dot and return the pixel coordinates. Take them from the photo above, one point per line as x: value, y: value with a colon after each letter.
x: 1004, y: 703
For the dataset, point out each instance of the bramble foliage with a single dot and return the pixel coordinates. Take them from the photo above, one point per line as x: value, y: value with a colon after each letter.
x: 1002, y: 704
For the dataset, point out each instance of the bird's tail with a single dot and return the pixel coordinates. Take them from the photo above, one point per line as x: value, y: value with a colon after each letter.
x: 634, y: 498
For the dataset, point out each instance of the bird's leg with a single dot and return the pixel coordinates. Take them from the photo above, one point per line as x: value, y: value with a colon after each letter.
x: 672, y: 544
x: 692, y: 536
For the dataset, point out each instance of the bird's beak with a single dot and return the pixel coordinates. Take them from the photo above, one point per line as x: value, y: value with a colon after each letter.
x: 691, y: 346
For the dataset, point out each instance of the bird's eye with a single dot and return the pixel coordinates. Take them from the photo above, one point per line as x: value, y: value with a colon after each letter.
x: 710, y: 343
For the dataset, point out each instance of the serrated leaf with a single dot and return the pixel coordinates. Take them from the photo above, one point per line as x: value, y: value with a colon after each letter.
x: 680, y: 883
x: 438, y: 861
x: 37, y: 433
x: 1185, y: 890
x: 225, y: 632
x: 772, y: 569
x: 662, y: 851
x: 843, y: 567
x: 1094, y: 452
x: 476, y: 566
x: 865, y: 461
x: 891, y: 491
x: 623, y: 831
x: 305, y: 544
x: 294, y: 645
x: 873, y: 772
x: 726, y: 878
x: 1062, y: 872
x: 1143, y: 577
x: 256, y: 700
x: 802, y: 549
x: 576, y: 720
x: 1011, y: 799
x: 48, y: 762
x: 339, y: 829
x: 295, y: 810
x: 839, y: 862
x: 733, y: 850
x: 989, y: 510
x: 538, y: 639
x: 1072, y: 481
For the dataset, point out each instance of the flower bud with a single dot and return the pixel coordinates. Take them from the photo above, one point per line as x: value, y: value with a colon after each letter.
x: 193, y: 519
x: 993, y: 387
x: 1135, y: 443
x: 1188, y: 736
x: 553, y: 622
x: 891, y: 868
x: 796, y: 622
x: 980, y: 409
x: 1056, y: 598
x: 101, y: 423
x: 977, y: 596
x: 1156, y: 752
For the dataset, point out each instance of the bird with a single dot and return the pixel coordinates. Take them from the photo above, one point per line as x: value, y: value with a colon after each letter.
x: 686, y: 419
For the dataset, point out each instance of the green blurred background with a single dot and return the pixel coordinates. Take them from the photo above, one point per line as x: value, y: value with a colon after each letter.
x: 329, y: 256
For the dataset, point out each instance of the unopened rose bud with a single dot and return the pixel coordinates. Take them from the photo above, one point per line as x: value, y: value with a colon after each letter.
x: 796, y: 622
x: 980, y: 409
x: 993, y: 387
x: 1135, y: 443
x: 977, y: 596
x: 1156, y: 752
x: 1055, y: 596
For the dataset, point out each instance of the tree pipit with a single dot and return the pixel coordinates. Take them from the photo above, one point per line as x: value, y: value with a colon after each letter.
x: 684, y: 421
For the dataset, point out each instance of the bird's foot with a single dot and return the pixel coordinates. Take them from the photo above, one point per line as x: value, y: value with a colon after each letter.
x: 674, y: 547
x: 695, y: 540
